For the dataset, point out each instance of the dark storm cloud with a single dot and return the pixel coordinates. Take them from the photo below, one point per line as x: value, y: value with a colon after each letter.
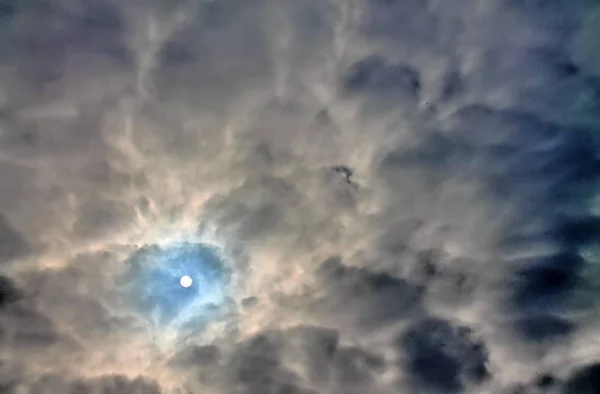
x: 8, y: 291
x: 547, y: 185
x: 541, y: 282
x: 443, y: 357
x: 585, y: 380
x: 541, y: 327
x: 551, y: 186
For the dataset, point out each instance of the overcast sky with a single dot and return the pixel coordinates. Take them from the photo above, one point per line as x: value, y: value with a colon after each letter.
x: 371, y: 196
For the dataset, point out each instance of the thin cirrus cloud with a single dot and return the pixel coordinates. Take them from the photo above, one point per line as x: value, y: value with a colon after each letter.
x: 370, y: 197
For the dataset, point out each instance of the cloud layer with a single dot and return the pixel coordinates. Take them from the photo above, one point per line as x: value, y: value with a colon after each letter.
x: 402, y: 193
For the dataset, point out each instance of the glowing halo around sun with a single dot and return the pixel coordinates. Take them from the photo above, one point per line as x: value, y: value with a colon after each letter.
x: 180, y: 286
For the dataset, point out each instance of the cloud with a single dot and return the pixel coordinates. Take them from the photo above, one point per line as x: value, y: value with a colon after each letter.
x: 373, y: 76
x: 585, y: 380
x: 444, y: 357
x: 304, y: 359
x: 400, y: 195
x: 110, y: 384
x: 12, y: 243
x: 361, y: 299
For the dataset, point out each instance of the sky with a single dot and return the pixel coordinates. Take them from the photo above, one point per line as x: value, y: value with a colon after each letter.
x: 369, y: 196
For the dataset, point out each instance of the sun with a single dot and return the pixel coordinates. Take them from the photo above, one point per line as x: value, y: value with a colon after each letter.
x: 185, y: 281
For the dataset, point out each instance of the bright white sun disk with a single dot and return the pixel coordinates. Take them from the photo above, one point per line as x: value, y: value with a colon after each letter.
x: 185, y: 281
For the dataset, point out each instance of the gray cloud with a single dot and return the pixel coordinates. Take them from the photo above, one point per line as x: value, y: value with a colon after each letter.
x: 362, y: 299
x: 110, y: 384
x: 443, y: 357
x: 303, y: 359
x: 585, y: 380
x: 12, y: 243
